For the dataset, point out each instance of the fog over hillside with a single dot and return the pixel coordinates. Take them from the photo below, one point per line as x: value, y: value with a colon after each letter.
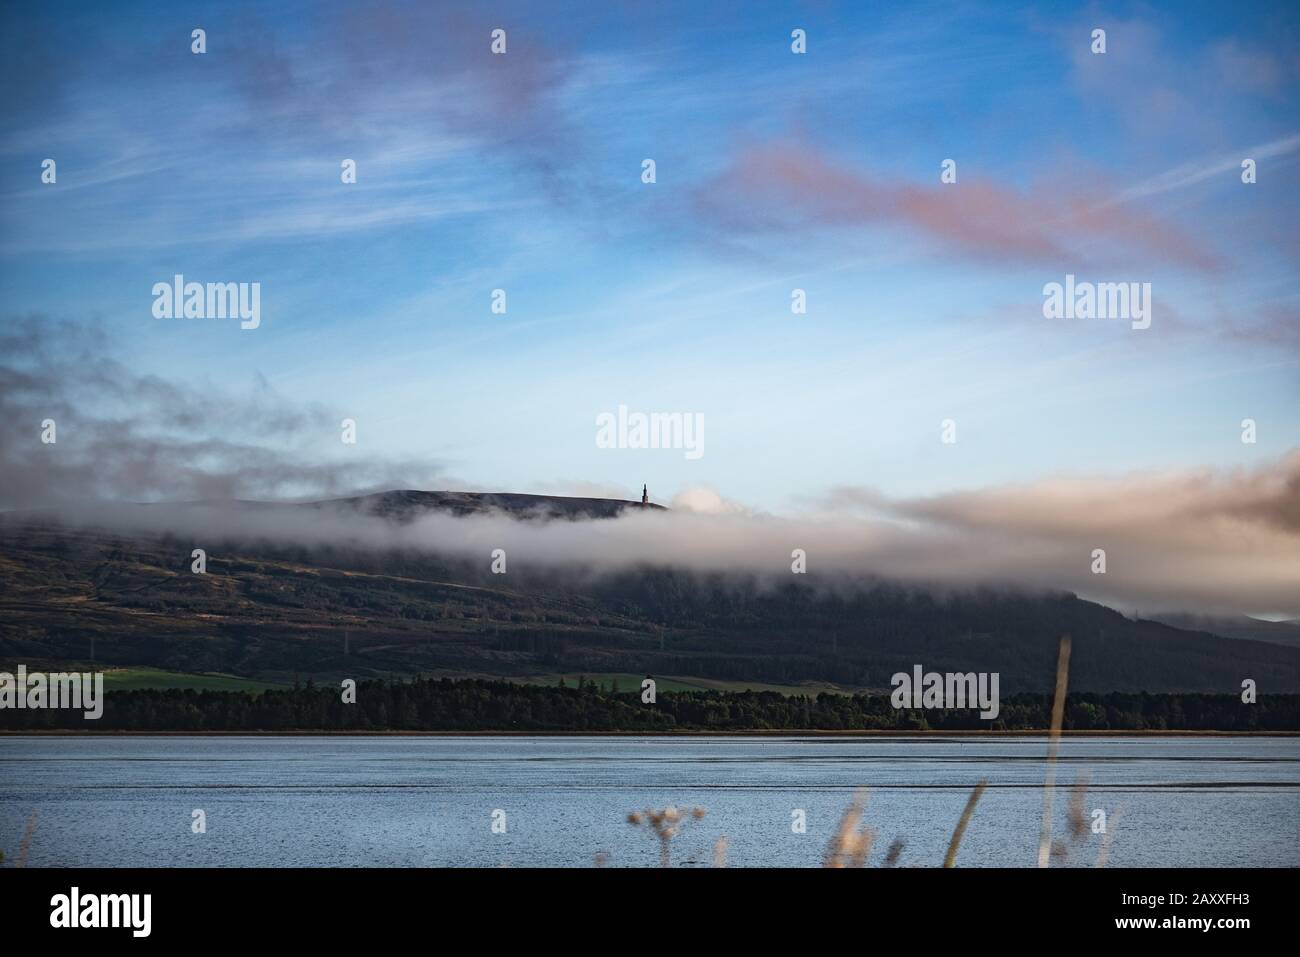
x: 1224, y: 541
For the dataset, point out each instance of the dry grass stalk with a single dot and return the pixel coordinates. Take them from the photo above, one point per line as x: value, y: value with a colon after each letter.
x: 1105, y: 841
x: 665, y: 825
x: 1054, y: 741
x: 1078, y: 812
x: 950, y: 859
x: 26, y: 844
x: 720, y: 852
x: 861, y: 850
x: 851, y: 844
x: 894, y: 852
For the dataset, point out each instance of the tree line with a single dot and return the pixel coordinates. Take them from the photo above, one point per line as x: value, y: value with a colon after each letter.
x: 443, y: 704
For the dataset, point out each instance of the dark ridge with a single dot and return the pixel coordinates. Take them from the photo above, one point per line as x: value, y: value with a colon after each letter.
x: 406, y: 504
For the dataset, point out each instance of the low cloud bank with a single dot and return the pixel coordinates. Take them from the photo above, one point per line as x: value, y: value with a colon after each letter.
x: 1221, y: 542
x: 1212, y: 541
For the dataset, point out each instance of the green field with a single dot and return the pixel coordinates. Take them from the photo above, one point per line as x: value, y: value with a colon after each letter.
x: 128, y: 679
x: 632, y: 682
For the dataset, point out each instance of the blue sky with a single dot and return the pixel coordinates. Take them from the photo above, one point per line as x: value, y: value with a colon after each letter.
x: 775, y: 171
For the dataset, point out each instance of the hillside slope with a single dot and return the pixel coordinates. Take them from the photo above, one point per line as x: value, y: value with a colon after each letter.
x: 274, y: 611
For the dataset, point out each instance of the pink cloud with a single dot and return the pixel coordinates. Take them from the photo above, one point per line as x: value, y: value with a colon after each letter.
x: 778, y: 186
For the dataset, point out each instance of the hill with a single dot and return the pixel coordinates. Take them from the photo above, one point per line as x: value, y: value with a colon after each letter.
x: 269, y: 612
x: 405, y: 504
x: 1253, y: 629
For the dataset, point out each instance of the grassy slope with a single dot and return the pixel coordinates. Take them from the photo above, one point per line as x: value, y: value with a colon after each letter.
x: 127, y: 679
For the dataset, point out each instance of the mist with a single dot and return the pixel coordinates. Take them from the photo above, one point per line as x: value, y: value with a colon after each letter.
x: 132, y: 450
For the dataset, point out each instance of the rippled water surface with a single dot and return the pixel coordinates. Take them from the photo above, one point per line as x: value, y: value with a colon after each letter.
x: 429, y: 801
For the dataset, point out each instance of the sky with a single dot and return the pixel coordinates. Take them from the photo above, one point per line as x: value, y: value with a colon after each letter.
x: 774, y: 171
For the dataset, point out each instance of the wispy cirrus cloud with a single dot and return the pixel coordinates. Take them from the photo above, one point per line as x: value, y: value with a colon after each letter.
x: 442, y: 131
x: 1189, y: 174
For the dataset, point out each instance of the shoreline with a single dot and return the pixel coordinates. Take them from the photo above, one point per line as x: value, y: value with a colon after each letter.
x: 764, y: 733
